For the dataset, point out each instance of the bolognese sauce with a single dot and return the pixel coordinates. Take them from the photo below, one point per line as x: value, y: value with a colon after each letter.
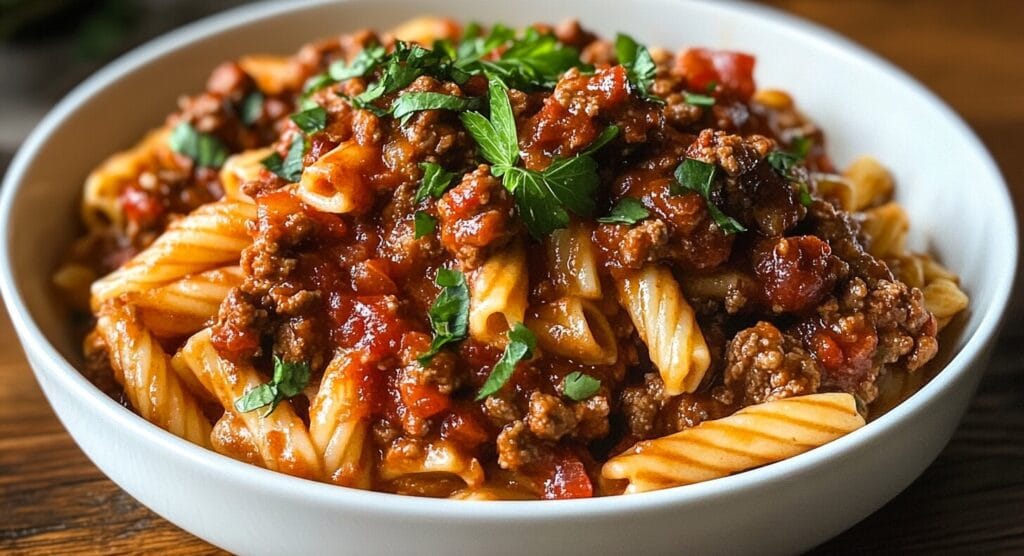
x: 397, y: 175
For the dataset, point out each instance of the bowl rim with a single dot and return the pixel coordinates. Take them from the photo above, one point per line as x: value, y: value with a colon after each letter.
x: 65, y: 375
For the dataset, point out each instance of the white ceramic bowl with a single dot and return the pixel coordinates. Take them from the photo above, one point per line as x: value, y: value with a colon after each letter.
x: 955, y: 196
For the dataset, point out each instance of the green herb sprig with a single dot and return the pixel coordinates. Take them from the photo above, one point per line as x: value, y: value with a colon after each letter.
x: 289, y: 380
x: 449, y: 314
x: 578, y: 386
x: 543, y: 198
x: 203, y: 149
x: 627, y: 211
x: 521, y: 345
x: 640, y: 66
x: 697, y: 176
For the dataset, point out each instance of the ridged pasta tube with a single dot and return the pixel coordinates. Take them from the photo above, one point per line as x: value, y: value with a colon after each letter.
x: 497, y: 292
x: 143, y: 368
x: 666, y: 323
x: 337, y: 426
x: 576, y: 329
x: 572, y: 263
x: 281, y: 438
x: 184, y: 307
x: 212, y: 236
x: 753, y: 436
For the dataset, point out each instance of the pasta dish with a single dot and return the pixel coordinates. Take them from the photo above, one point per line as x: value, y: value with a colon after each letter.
x: 487, y: 263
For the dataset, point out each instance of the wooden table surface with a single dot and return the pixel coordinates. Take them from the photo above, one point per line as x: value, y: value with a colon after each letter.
x: 53, y: 500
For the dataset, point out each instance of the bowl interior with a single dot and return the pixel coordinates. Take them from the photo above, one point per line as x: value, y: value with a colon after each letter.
x: 958, y: 204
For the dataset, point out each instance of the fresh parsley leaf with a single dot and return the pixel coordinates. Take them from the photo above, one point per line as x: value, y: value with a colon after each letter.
x: 698, y: 100
x: 252, y: 107
x: 400, y: 68
x: 711, y: 86
x: 310, y: 120
x: 627, y: 211
x: 423, y: 224
x: 640, y: 67
x: 409, y: 103
x: 289, y: 380
x: 260, y: 396
x: 578, y: 386
x: 609, y: 133
x: 368, y: 59
x: 542, y: 197
x: 802, y: 146
x: 435, y: 181
x: 449, y: 314
x: 496, y: 137
x: 697, y: 176
x: 315, y: 83
x: 289, y: 168
x: 538, y: 206
x: 573, y: 181
x: 784, y: 163
x: 521, y: 345
x: 204, y: 149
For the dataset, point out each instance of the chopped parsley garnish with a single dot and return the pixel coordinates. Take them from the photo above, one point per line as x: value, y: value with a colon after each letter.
x: 400, y: 68
x: 698, y: 176
x: 698, y: 100
x: 289, y: 380
x: 366, y: 61
x: 578, y: 386
x: 406, y: 105
x: 449, y: 315
x: 542, y: 197
x: 436, y: 181
x: 311, y: 120
x: 521, y: 345
x: 202, y: 148
x: 785, y: 162
x: 423, y: 224
x: 289, y: 168
x: 626, y: 211
x: 252, y: 107
x: 640, y: 67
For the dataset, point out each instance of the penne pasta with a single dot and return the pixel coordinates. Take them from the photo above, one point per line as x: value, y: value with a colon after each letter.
x: 666, y: 323
x: 498, y: 295
x: 752, y: 437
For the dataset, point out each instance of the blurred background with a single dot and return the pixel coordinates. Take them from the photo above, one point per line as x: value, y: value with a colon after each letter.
x: 969, y: 53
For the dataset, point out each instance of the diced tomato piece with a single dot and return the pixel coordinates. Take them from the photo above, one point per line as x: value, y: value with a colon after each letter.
x: 568, y: 479
x: 461, y: 426
x: 732, y: 70
x: 139, y: 206
x: 422, y: 400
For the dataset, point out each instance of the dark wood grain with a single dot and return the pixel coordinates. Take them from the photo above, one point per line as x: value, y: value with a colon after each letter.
x: 53, y: 500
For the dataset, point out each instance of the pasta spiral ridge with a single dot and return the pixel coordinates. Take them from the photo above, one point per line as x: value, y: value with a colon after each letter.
x: 211, y: 236
x: 752, y: 437
x: 666, y: 323
x: 143, y: 368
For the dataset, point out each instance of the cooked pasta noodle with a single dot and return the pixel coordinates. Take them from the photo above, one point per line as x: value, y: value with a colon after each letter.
x: 335, y: 182
x: 480, y: 267
x: 498, y: 295
x: 752, y: 437
x: 666, y: 323
x: 186, y: 305
x: 435, y: 458
x: 871, y: 183
x: 281, y: 438
x: 240, y: 168
x: 573, y: 263
x: 101, y: 205
x: 337, y: 425
x: 211, y: 237
x: 143, y: 368
x: 886, y: 226
x: 576, y: 329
